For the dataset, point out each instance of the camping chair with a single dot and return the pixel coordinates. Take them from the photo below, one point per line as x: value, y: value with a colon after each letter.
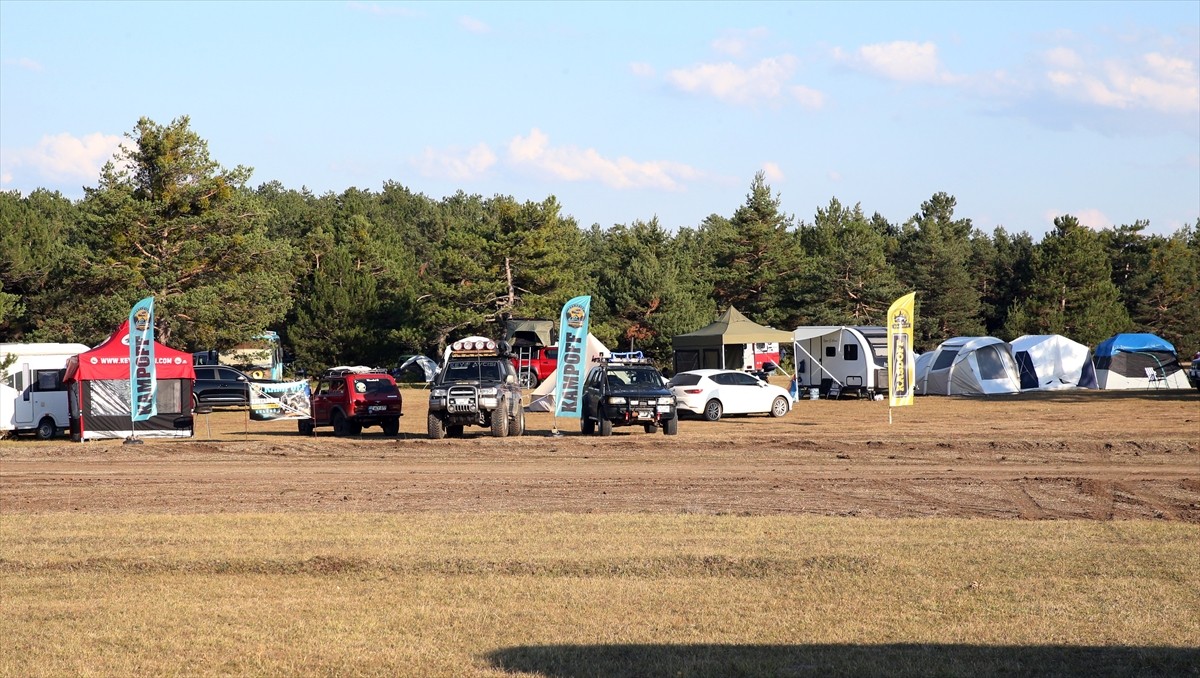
x: 1155, y: 380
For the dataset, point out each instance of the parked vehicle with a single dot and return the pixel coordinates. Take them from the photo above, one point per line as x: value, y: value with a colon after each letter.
x: 535, y: 364
x: 32, y: 395
x: 1193, y: 372
x: 220, y: 385
x: 852, y: 358
x: 352, y: 401
x: 477, y: 386
x: 627, y: 390
x: 716, y: 393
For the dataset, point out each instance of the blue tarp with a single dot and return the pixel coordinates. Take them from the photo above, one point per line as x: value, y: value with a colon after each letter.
x: 1131, y: 343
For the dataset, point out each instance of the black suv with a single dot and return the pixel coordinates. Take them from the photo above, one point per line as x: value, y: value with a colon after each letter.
x: 626, y: 390
x: 476, y: 387
x: 220, y: 385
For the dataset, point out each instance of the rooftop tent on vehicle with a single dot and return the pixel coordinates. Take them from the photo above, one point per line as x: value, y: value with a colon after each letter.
x: 1122, y: 362
x: 1052, y: 361
x: 709, y: 347
x: 527, y: 332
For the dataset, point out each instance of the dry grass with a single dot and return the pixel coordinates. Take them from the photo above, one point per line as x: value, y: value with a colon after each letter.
x: 580, y: 595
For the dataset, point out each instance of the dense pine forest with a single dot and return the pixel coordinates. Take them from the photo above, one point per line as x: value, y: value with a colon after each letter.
x: 364, y: 276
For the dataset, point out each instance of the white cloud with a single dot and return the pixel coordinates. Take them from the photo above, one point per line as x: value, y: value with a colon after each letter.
x: 902, y: 61
x: 835, y: 175
x: 63, y: 157
x: 807, y: 97
x: 731, y: 83
x: 456, y: 164
x: 773, y: 172
x: 1090, y: 217
x: 25, y: 63
x: 642, y: 69
x: 473, y: 25
x: 1151, y: 81
x: 570, y: 163
x: 736, y: 43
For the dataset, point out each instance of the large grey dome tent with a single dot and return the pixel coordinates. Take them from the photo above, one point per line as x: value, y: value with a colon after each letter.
x: 968, y: 366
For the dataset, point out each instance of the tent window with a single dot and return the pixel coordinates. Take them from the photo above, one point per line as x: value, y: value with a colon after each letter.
x: 850, y: 352
x: 945, y: 359
x: 168, y: 396
x: 831, y: 351
x: 990, y: 365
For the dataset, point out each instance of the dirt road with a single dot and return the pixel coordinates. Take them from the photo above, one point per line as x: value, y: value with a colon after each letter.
x: 1041, y: 456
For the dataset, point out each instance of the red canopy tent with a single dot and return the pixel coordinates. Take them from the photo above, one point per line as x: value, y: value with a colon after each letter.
x: 98, y: 391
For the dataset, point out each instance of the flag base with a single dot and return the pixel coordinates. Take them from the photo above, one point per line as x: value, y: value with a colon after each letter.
x: 133, y: 441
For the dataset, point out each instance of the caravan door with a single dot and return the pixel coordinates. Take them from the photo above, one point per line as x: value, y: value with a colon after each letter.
x: 23, y: 413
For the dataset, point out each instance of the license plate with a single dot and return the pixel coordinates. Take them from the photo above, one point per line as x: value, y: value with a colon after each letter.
x: 645, y: 415
x: 377, y: 408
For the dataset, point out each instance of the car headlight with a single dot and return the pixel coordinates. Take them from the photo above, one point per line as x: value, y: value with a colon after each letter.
x: 616, y: 400
x: 666, y: 401
x: 438, y: 393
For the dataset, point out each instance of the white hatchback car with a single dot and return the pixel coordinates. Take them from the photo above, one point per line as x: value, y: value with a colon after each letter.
x: 713, y: 393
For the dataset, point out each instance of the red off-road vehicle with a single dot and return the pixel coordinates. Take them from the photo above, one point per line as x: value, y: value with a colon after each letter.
x: 350, y: 402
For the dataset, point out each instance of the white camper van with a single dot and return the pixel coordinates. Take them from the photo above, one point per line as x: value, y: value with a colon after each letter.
x: 32, y: 395
x: 852, y: 358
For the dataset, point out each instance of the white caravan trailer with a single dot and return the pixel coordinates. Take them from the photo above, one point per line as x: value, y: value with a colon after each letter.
x: 854, y: 358
x: 32, y: 395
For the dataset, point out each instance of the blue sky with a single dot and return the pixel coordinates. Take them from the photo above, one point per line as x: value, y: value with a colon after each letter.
x: 627, y: 111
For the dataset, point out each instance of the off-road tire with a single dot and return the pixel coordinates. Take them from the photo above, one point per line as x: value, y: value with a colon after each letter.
x: 500, y: 420
x: 527, y: 379
x: 586, y: 426
x: 650, y: 427
x: 516, y: 427
x: 779, y: 407
x: 390, y: 426
x: 605, y: 426
x: 435, y: 427
x: 305, y: 426
x: 713, y: 410
x: 46, y: 429
x: 353, y: 427
x: 671, y: 426
x: 339, y: 424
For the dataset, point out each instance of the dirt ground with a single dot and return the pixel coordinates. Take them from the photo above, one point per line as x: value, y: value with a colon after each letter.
x: 1089, y: 455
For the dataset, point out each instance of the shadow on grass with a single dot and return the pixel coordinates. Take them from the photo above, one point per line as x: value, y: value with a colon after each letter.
x: 728, y: 661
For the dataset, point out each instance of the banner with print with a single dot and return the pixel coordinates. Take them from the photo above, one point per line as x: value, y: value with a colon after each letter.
x: 281, y: 400
x: 901, y: 364
x: 143, y: 400
x: 572, y: 356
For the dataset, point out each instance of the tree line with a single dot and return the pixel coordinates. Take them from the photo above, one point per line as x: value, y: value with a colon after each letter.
x: 362, y: 277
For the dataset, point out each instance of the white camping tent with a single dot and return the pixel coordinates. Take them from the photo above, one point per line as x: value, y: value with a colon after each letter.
x: 968, y: 366
x: 1134, y: 361
x: 1052, y: 361
x: 542, y: 398
x: 853, y: 357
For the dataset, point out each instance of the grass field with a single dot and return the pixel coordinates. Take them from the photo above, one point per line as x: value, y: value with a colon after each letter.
x: 594, y: 595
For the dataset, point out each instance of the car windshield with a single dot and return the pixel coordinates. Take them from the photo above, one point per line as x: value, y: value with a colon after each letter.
x: 634, y: 376
x: 471, y: 370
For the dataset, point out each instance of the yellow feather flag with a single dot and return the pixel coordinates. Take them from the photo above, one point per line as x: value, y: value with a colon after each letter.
x: 901, y: 364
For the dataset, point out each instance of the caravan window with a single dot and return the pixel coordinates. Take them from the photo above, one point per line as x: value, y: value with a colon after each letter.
x: 850, y: 352
x: 945, y: 359
x: 831, y: 351
x: 16, y: 380
x: 48, y: 380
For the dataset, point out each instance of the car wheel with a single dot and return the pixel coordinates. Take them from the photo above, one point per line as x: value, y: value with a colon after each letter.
x: 586, y: 426
x: 305, y: 426
x: 650, y: 427
x: 605, y: 426
x: 353, y: 427
x: 195, y: 402
x: 671, y: 426
x: 528, y: 379
x: 339, y: 424
x: 779, y: 407
x: 390, y: 426
x: 500, y: 420
x: 435, y: 427
x: 713, y: 410
x: 46, y: 429
x: 516, y: 427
